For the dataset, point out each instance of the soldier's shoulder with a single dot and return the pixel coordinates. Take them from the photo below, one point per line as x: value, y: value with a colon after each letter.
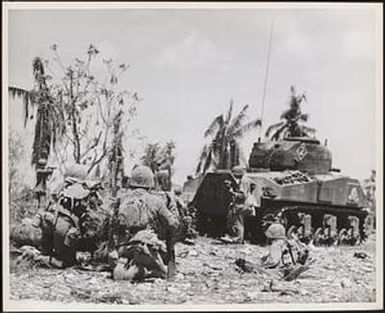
x: 154, y: 199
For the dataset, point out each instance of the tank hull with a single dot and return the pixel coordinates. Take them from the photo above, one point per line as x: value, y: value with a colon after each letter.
x: 293, y: 193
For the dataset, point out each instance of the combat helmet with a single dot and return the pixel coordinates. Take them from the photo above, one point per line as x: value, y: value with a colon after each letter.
x: 177, y: 190
x: 238, y: 170
x: 42, y: 162
x: 78, y: 171
x: 276, y: 231
x: 141, y: 177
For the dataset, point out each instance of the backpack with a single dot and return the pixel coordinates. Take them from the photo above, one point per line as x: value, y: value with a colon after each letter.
x: 133, y: 215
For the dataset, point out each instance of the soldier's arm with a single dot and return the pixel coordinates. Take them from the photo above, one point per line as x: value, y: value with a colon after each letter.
x: 239, y: 195
x: 168, y: 218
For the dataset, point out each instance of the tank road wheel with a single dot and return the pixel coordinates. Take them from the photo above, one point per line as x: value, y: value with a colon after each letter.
x: 334, y: 241
x: 317, y: 237
x: 342, y: 236
x: 292, y: 230
x: 355, y: 241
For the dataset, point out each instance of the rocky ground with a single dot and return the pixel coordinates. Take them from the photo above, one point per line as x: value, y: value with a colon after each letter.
x: 207, y: 274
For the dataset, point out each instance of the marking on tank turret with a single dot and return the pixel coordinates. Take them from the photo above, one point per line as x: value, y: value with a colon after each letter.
x: 353, y: 195
x: 301, y: 151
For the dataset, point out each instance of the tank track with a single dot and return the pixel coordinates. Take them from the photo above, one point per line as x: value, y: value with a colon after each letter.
x: 319, y: 233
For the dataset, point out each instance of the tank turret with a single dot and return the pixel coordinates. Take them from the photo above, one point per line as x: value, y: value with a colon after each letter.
x: 293, y: 153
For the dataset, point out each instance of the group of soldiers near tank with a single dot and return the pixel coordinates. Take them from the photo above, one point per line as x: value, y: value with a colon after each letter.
x: 135, y: 237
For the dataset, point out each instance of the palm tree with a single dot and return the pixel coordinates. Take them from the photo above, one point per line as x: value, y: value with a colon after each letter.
x: 166, y: 163
x: 50, y: 118
x: 223, y: 151
x: 151, y: 156
x: 161, y: 161
x: 116, y: 157
x: 290, y: 126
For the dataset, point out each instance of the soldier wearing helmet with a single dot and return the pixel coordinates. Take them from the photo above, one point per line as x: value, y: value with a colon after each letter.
x: 238, y: 209
x: 61, y: 223
x: 143, y: 232
x: 283, y: 252
x: 43, y: 174
x: 276, y: 240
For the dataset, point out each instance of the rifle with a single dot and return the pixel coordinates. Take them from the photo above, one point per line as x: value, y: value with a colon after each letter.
x: 115, y: 207
x: 290, y: 248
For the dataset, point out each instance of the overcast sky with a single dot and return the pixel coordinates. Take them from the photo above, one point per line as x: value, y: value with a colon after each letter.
x: 187, y: 64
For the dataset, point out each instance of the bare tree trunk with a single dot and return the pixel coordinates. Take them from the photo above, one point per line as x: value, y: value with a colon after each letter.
x: 234, y: 154
x: 75, y: 130
x: 117, y: 157
x: 223, y: 155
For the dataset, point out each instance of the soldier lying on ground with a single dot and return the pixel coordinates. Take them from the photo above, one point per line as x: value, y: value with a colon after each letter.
x: 143, y: 232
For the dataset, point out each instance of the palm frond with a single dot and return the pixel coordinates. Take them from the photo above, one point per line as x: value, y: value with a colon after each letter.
x: 273, y: 127
x: 292, y: 90
x: 208, y: 162
x: 238, y: 120
x: 38, y: 73
x: 205, y: 159
x: 38, y: 69
x: 286, y: 114
x: 303, y: 117
x: 278, y: 133
x: 230, y: 112
x: 166, y: 155
x: 246, y: 128
x: 151, y: 155
x: 202, y: 158
x: 308, y: 130
x: 43, y: 135
x: 216, y: 124
x: 26, y: 97
x: 292, y: 116
x: 17, y: 92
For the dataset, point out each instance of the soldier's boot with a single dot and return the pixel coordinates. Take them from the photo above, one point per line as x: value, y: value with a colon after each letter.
x: 239, y: 230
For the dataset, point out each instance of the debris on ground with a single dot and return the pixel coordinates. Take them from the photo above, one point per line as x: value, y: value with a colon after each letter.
x: 212, y: 274
x: 27, y: 257
x: 271, y: 286
x: 246, y: 266
x: 293, y: 272
x: 360, y: 255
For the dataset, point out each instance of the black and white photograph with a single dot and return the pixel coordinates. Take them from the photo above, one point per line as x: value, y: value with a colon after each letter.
x: 192, y: 156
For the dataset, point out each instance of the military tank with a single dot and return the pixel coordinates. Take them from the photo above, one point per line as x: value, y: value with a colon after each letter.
x: 293, y: 178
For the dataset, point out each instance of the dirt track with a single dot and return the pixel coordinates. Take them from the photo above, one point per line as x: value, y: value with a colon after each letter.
x: 207, y: 274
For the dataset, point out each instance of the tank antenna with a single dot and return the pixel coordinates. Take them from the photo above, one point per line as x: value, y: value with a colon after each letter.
x: 266, y: 74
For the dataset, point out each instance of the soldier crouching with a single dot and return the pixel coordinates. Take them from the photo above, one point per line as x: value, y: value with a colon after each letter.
x: 62, y: 229
x: 143, y: 232
x: 283, y: 252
